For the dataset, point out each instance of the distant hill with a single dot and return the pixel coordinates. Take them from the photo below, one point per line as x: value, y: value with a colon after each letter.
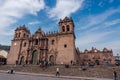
x: 4, y: 47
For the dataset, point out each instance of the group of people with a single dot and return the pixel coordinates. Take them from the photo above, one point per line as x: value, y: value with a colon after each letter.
x: 45, y: 64
x: 11, y: 71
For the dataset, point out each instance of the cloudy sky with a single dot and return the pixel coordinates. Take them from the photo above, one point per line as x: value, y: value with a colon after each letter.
x: 97, y: 22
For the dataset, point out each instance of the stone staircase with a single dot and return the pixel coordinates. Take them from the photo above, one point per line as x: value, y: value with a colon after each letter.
x: 97, y: 71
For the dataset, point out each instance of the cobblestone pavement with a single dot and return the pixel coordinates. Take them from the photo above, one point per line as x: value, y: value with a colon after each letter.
x: 5, y: 76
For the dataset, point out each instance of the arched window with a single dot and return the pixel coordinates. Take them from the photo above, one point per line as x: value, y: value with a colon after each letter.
x: 36, y: 42
x: 25, y: 44
x: 68, y: 28
x: 19, y: 34
x: 52, y: 42
x: 63, y: 28
x: 24, y: 35
x: 52, y: 58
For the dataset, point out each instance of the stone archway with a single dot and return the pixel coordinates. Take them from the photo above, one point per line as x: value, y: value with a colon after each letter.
x: 52, y: 59
x: 35, y: 57
x: 97, y: 62
x: 22, y: 60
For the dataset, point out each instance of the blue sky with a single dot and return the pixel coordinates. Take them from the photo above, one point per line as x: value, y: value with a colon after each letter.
x: 97, y: 22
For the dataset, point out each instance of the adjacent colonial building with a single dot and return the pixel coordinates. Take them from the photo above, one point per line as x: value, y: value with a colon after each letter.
x: 96, y: 56
x: 56, y: 47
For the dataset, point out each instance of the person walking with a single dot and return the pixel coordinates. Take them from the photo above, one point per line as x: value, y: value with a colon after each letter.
x: 115, y: 75
x: 12, y: 70
x: 57, y: 72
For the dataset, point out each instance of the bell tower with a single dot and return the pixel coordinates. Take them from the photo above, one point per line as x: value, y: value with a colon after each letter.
x: 66, y: 41
x: 19, y: 45
x: 66, y: 25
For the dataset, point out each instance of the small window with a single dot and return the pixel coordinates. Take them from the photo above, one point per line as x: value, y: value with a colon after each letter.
x: 19, y: 34
x: 65, y: 46
x: 68, y: 28
x: 36, y: 42
x: 52, y: 42
x: 25, y: 44
x: 16, y: 35
x: 24, y: 35
x: 63, y: 28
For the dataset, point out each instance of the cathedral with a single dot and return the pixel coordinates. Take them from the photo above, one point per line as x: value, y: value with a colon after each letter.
x: 56, y: 47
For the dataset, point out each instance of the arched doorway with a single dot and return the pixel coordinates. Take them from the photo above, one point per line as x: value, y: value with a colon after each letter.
x: 97, y: 62
x: 34, y: 57
x: 22, y: 60
x: 52, y: 59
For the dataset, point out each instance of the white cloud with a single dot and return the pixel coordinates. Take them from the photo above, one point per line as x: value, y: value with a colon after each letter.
x: 113, y: 22
x: 101, y: 4
x: 34, y: 22
x: 92, y: 37
x: 110, y: 1
x: 64, y: 8
x: 12, y: 10
x: 98, y: 19
x: 104, y: 25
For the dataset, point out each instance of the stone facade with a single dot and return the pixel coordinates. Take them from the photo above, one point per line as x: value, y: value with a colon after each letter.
x: 56, y: 47
x: 96, y: 56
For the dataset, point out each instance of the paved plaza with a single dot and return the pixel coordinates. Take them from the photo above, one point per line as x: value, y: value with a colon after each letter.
x: 72, y: 73
x: 5, y: 76
x: 32, y: 76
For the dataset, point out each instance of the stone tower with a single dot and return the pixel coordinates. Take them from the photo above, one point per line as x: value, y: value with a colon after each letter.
x: 66, y: 41
x: 19, y: 45
x: 66, y: 25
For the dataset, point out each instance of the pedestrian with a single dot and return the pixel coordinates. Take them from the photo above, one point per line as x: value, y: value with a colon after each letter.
x: 71, y: 62
x: 11, y: 71
x: 115, y: 75
x: 46, y: 64
x: 57, y: 72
